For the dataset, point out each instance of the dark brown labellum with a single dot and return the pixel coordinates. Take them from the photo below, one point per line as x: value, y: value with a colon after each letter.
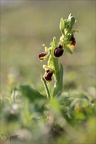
x: 48, y: 75
x: 41, y: 55
x: 73, y: 41
x: 58, y: 51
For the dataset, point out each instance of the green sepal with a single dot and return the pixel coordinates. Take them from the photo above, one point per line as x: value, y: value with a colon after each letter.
x: 54, y: 42
x: 67, y: 49
x: 75, y: 31
x: 61, y: 26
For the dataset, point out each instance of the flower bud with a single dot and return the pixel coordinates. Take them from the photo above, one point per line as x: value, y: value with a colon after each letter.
x: 72, y: 20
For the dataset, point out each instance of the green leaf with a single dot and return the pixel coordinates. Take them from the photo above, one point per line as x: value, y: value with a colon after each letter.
x: 31, y: 93
x: 37, y: 100
x: 62, y: 26
x: 67, y: 49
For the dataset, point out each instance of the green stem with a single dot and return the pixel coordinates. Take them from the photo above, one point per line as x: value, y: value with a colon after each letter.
x: 58, y: 74
x: 46, y: 88
x: 59, y: 82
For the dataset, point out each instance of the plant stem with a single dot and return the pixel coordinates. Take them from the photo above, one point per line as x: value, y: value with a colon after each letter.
x: 46, y: 88
x: 58, y: 74
x: 59, y: 82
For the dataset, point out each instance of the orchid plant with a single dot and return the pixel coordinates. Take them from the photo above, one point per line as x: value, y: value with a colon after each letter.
x: 53, y: 68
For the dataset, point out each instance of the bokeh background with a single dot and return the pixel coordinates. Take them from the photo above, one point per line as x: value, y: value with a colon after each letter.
x: 26, y: 25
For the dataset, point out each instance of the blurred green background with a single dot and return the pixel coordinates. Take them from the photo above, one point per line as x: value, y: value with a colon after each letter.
x: 25, y: 26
